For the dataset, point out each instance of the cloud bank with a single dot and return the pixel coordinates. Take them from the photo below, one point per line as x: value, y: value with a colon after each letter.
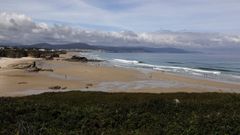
x: 135, y: 15
x: 19, y: 28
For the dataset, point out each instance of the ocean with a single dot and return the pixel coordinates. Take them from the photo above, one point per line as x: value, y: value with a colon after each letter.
x: 216, y: 66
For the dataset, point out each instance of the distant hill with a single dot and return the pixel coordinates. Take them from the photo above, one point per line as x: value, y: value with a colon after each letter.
x: 106, y: 48
x: 62, y: 46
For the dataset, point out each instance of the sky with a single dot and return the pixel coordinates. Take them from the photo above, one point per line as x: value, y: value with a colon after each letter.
x: 192, y: 23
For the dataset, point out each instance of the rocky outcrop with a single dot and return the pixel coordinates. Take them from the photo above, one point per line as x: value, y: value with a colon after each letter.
x: 21, y: 66
x: 82, y: 59
x: 30, y: 67
x: 34, y: 68
x: 57, y: 87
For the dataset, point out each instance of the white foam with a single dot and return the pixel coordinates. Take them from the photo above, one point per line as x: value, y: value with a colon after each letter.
x: 175, y: 69
x: 126, y: 61
x: 185, y: 69
x: 234, y: 76
x: 166, y: 68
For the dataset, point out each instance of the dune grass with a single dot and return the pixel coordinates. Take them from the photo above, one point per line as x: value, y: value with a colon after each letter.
x: 71, y: 113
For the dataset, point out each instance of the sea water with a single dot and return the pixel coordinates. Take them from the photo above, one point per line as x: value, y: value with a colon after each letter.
x: 217, y: 66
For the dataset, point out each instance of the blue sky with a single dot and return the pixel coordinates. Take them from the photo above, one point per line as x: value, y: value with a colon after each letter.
x: 135, y: 15
x: 172, y: 23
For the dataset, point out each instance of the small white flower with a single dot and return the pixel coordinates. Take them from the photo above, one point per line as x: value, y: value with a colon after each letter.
x: 177, y: 101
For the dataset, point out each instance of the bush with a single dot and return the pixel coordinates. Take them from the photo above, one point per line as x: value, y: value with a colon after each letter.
x: 105, y: 113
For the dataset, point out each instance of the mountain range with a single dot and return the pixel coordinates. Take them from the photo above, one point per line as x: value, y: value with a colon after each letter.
x: 105, y: 48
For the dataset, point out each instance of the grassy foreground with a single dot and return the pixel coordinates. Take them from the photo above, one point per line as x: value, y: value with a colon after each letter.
x: 104, y: 113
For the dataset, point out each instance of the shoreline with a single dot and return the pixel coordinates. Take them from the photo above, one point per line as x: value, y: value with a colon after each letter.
x: 218, y: 73
x: 99, y: 77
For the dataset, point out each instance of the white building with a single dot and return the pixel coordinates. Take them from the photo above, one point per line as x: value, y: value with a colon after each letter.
x: 42, y: 50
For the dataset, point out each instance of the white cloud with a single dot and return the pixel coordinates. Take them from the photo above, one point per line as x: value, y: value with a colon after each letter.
x: 136, y: 15
x: 19, y: 28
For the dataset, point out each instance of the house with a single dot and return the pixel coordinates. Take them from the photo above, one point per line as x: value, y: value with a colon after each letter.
x: 42, y: 50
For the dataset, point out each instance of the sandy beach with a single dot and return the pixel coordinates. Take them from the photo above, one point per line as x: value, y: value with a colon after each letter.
x: 97, y: 77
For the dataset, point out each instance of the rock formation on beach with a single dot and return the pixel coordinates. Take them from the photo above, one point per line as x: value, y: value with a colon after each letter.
x: 34, y: 68
x: 82, y: 59
x: 30, y: 67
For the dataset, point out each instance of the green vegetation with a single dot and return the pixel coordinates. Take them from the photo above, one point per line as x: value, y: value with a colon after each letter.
x: 14, y: 52
x: 105, y: 113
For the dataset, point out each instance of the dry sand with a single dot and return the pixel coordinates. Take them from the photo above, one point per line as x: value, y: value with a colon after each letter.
x: 96, y: 77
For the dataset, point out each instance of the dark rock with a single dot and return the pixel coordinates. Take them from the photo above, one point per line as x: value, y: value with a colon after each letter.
x: 21, y: 66
x: 35, y: 69
x: 48, y: 70
x: 82, y: 59
x: 55, y: 87
x: 79, y: 59
x: 22, y: 82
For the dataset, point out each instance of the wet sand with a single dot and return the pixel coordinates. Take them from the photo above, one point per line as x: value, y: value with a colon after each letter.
x: 98, y: 77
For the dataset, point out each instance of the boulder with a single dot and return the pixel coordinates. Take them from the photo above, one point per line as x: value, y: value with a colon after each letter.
x: 55, y: 87
x: 82, y: 59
